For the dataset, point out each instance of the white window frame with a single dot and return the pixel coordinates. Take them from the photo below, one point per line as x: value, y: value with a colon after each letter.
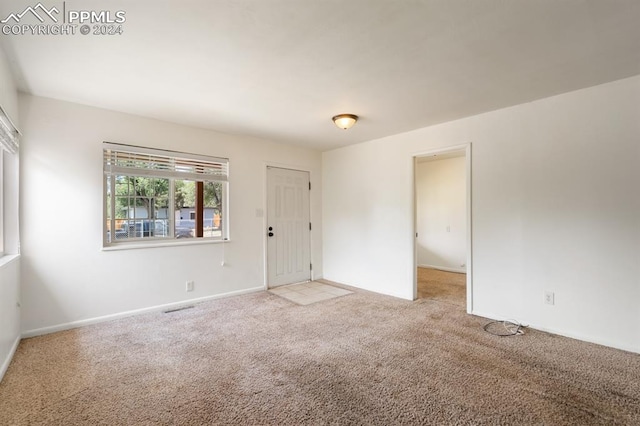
x: 162, y: 164
x: 10, y: 142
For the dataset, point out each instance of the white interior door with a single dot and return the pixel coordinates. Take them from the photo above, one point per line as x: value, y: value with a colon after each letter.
x: 288, y: 226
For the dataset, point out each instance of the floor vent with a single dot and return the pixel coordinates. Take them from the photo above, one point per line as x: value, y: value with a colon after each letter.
x: 178, y: 309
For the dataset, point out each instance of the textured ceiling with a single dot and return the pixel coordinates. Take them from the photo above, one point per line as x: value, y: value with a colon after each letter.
x: 280, y: 69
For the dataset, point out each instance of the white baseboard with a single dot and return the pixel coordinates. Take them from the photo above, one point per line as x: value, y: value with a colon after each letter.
x: 96, y: 320
x: 7, y: 361
x: 444, y: 268
x: 551, y: 330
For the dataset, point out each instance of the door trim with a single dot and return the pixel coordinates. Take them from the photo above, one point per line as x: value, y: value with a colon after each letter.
x: 469, y: 222
x: 265, y: 206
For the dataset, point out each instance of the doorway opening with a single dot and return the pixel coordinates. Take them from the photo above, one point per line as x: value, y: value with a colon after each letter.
x: 442, y: 200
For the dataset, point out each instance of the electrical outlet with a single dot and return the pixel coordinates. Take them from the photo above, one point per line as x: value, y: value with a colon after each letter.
x: 549, y: 298
x: 189, y: 285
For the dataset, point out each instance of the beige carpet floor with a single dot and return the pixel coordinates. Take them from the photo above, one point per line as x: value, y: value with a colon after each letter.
x: 362, y: 359
x: 443, y: 286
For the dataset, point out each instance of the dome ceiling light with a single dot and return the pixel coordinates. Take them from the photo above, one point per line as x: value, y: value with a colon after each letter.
x: 345, y: 121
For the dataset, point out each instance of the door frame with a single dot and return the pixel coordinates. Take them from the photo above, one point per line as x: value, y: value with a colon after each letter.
x: 467, y: 153
x: 265, y: 208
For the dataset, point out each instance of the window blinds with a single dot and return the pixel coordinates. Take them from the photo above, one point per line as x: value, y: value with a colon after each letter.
x: 132, y: 160
x: 9, y: 134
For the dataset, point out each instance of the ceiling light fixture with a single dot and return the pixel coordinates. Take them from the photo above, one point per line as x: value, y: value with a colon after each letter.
x: 345, y: 121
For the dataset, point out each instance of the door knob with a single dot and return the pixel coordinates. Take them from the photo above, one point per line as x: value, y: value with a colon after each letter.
x: 271, y: 228
x: 271, y: 234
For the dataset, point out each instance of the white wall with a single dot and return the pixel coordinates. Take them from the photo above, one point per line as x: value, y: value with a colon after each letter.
x: 9, y: 311
x: 9, y: 265
x: 441, y: 214
x: 67, y: 278
x: 555, y: 206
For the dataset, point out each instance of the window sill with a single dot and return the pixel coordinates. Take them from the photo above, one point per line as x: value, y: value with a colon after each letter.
x: 174, y: 243
x: 7, y: 259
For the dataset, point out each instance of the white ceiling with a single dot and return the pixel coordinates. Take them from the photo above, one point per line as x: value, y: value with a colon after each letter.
x: 280, y: 69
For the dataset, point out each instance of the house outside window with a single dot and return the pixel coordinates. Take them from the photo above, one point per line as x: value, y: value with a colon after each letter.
x: 163, y: 196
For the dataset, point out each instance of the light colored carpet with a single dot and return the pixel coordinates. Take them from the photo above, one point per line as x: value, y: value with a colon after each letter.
x: 449, y: 287
x: 363, y: 359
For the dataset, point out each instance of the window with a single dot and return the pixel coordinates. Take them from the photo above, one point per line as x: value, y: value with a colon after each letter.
x: 161, y: 196
x: 9, y: 146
